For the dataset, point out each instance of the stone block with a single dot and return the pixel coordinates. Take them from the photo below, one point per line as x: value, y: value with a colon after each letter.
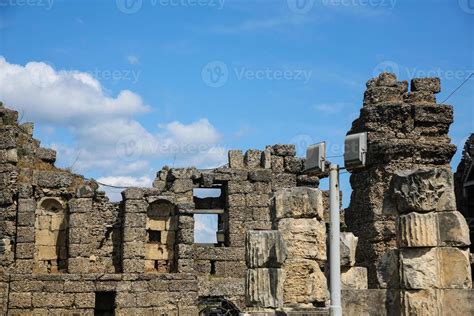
x: 53, y: 179
x: 419, y: 98
x: 304, y: 282
x: 264, y: 288
x: 454, y: 268
x: 378, y: 95
x: 453, y: 229
x: 348, y: 249
x: 182, y: 185
x: 426, y: 84
x: 284, y: 149
x: 304, y: 238
x: 418, y: 230
x: 19, y: 300
x: 278, y: 164
x: 236, y: 159
x: 419, y: 268
x: 424, y: 190
x: 293, y: 164
x: 266, y: 159
x: 298, y: 202
x: 421, y: 302
x: 265, y: 249
x: 257, y: 200
x: 133, y: 194
x: 80, y: 205
x: 262, y: 175
x: 354, y: 278
x: 253, y: 158
x: 133, y: 249
x: 157, y: 252
x: 84, y: 300
x: 46, y: 154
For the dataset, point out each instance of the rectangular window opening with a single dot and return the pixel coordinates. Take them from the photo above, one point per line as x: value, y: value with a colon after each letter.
x: 104, y: 304
x: 208, y: 198
x: 205, y: 228
x: 154, y: 236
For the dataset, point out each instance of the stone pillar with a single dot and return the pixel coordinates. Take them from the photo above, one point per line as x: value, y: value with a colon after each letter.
x: 265, y: 253
x: 406, y: 131
x: 402, y: 206
x: 298, y: 216
x: 433, y: 238
x: 134, y: 231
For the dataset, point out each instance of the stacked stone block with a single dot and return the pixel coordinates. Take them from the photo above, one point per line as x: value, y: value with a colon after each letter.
x: 352, y: 277
x: 434, y: 239
x: 406, y: 131
x: 265, y: 253
x: 298, y: 216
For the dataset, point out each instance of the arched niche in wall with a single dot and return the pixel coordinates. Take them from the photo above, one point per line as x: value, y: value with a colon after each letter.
x: 51, y: 236
x: 161, y: 226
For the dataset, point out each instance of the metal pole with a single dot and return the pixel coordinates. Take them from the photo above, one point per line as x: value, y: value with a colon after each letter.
x: 334, y: 242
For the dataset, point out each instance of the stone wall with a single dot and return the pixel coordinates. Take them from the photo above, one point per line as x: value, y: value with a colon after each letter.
x: 65, y: 249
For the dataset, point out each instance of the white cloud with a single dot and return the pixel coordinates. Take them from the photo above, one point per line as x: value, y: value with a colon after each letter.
x: 133, y: 60
x: 107, y: 139
x: 115, y: 194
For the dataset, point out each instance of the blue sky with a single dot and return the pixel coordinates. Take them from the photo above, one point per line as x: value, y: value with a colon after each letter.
x: 115, y: 85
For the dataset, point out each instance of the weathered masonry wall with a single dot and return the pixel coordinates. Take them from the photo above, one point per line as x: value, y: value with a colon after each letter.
x: 403, y: 208
x: 65, y: 249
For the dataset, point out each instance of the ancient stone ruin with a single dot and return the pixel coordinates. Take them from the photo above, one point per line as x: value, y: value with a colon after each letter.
x: 65, y: 249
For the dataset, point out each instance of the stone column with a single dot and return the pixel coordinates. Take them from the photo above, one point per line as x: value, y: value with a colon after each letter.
x: 134, y: 231
x: 298, y: 216
x: 406, y: 131
x: 265, y: 253
x: 402, y: 206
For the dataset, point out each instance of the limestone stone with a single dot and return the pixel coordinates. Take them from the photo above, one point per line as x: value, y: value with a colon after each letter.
x: 253, y: 158
x: 304, y: 237
x: 266, y: 159
x: 454, y: 268
x: 426, y: 84
x: 419, y: 268
x: 284, y: 149
x: 418, y: 230
x: 298, y: 202
x: 421, y: 302
x: 264, y: 287
x: 265, y: 249
x: 453, y: 229
x: 304, y: 282
x: 263, y: 175
x: 277, y: 164
x: 354, y: 278
x: 236, y: 159
x: 348, y: 249
x: 424, y: 190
